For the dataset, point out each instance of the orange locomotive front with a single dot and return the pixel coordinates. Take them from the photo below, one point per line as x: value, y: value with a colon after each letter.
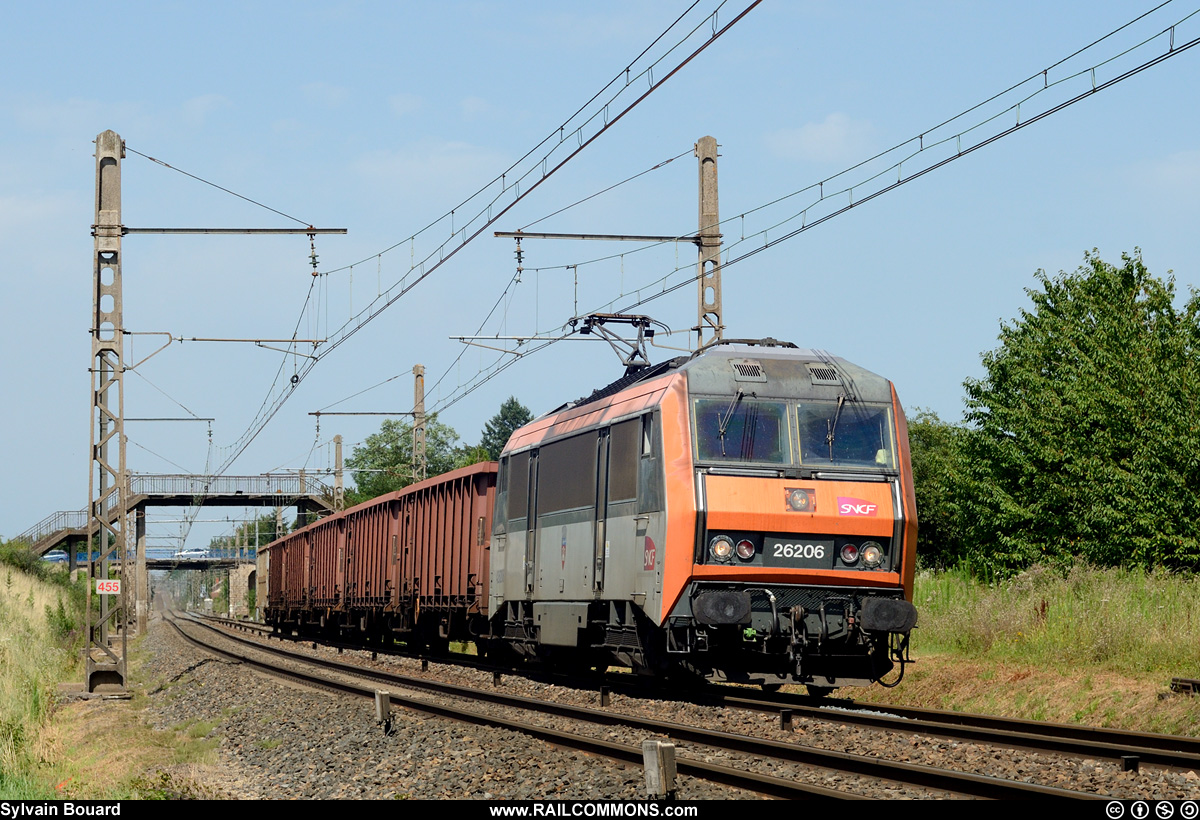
x: 746, y: 513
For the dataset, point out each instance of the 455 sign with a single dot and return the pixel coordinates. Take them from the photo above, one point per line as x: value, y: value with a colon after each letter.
x: 108, y: 586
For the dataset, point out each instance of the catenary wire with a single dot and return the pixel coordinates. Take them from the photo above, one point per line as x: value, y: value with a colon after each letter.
x: 343, y: 335
x: 487, y: 374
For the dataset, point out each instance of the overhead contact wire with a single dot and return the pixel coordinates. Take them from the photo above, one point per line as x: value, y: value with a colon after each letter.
x: 252, y: 433
x: 487, y: 375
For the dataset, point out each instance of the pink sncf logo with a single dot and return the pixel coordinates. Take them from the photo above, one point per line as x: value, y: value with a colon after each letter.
x: 856, y: 506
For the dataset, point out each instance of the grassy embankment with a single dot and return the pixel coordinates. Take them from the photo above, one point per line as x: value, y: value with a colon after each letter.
x: 1091, y: 646
x: 50, y: 748
x: 39, y: 646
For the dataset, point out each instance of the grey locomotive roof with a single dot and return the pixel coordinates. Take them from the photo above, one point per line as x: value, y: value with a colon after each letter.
x: 784, y: 371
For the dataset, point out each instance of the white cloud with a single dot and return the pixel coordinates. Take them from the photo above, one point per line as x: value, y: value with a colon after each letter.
x: 404, y: 104
x: 326, y: 94
x: 1174, y: 175
x: 448, y: 166
x: 197, y: 109
x: 837, y: 139
x: 475, y: 107
x: 78, y: 116
x: 23, y: 213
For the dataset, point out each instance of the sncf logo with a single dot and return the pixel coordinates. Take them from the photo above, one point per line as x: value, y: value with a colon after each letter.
x: 649, y: 556
x: 856, y: 506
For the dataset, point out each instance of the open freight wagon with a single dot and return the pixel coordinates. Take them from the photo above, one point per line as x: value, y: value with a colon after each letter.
x: 410, y: 564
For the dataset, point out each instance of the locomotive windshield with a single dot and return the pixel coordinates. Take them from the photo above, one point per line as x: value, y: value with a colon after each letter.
x: 845, y: 434
x: 828, y: 434
x: 742, y: 429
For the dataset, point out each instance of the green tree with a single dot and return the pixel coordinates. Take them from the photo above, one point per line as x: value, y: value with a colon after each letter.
x: 259, y: 531
x: 1087, y: 435
x: 470, y: 454
x: 936, y: 447
x: 496, y: 432
x: 383, y: 462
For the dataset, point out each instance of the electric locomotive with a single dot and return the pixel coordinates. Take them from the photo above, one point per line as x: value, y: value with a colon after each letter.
x: 745, y: 514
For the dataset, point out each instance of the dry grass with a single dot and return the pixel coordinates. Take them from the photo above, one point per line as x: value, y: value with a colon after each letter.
x: 108, y: 751
x: 1090, y: 697
x: 51, y: 748
x: 1088, y: 646
x: 32, y: 661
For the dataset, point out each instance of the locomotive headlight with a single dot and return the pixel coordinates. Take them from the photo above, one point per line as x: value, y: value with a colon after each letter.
x: 721, y: 547
x: 745, y: 549
x: 849, y: 554
x: 872, y: 554
x: 799, y: 500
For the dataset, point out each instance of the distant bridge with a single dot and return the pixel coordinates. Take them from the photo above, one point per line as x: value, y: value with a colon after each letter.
x: 301, y: 491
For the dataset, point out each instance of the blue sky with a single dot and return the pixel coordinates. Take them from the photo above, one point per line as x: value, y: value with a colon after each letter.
x: 381, y: 117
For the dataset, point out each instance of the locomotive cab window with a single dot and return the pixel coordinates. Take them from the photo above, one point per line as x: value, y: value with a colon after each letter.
x: 846, y: 434
x: 743, y: 430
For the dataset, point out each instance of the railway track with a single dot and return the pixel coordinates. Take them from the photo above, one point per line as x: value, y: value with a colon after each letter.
x: 1131, y: 749
x: 769, y: 754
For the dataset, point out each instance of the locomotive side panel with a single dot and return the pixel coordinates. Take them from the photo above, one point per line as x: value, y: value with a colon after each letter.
x: 565, y: 509
x: 908, y: 501
x: 575, y: 516
x: 630, y: 512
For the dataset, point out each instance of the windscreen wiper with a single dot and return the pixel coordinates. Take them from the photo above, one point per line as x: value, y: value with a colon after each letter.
x: 723, y: 424
x: 833, y: 425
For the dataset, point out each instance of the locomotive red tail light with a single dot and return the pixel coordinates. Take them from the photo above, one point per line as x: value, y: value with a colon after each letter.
x: 849, y: 554
x: 745, y: 549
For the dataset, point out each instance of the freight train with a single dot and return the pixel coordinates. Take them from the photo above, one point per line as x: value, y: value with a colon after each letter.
x: 745, y: 514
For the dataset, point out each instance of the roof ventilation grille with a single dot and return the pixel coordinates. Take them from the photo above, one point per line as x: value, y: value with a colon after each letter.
x: 747, y: 370
x: 823, y: 374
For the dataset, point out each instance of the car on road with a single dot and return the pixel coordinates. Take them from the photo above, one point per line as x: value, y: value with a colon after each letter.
x: 190, y: 555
